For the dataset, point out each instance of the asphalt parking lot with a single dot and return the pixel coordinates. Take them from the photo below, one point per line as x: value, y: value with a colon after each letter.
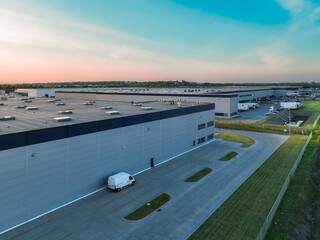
x: 255, y: 114
x: 100, y: 216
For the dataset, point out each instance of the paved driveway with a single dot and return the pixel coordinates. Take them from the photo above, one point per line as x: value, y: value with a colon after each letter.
x: 100, y: 216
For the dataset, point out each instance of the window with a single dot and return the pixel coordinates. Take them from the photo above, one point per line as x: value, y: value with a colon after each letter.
x: 201, y: 140
x: 221, y: 114
x: 201, y: 126
x: 209, y: 136
x: 246, y: 95
x: 234, y: 113
x: 210, y: 124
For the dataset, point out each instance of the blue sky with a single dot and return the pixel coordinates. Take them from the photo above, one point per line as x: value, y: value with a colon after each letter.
x: 217, y: 41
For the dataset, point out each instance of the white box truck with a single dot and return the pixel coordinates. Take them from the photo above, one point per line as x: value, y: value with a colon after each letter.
x: 290, y: 105
x: 119, y: 181
x: 243, y: 107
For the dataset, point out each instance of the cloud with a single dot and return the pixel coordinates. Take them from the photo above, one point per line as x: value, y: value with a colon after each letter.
x: 294, y: 6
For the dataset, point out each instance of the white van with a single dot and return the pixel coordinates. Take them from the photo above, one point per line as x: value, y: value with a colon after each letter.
x: 121, y: 180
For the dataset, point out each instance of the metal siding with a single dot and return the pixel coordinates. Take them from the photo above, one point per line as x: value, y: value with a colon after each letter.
x: 47, y: 176
x: 82, y: 165
x: 83, y: 128
x: 133, y: 149
x: 149, y: 117
x: 110, y: 124
x: 152, y: 142
x: 110, y: 154
x: 46, y: 135
x: 14, y: 140
x: 167, y: 139
x: 13, y: 187
x: 132, y: 120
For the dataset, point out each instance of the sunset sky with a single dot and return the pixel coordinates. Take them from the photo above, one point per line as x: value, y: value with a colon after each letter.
x: 142, y: 40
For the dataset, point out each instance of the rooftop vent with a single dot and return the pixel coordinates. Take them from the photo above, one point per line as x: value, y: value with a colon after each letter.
x: 65, y: 112
x: 112, y: 113
x: 62, y: 119
x: 87, y: 103
x: 20, y: 106
x: 137, y: 104
x: 106, y: 108
x: 60, y: 104
x: 27, y: 101
x: 7, y: 118
x: 31, y: 108
x: 146, y: 108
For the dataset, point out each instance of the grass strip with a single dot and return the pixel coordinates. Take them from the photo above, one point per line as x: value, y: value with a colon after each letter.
x: 202, y: 173
x: 229, y: 156
x: 247, y: 142
x: 243, y: 213
x: 298, y: 215
x: 148, y: 208
x: 261, y: 127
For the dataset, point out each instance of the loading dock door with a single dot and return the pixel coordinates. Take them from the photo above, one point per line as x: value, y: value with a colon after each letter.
x: 152, y: 162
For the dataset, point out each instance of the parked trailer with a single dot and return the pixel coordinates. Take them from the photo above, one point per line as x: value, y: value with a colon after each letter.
x: 243, y: 107
x: 290, y: 105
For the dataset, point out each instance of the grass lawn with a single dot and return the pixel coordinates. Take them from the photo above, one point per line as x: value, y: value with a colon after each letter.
x: 196, y: 177
x: 310, y: 106
x: 297, y: 217
x: 243, y: 213
x: 146, y: 209
x: 247, y: 142
x: 229, y: 156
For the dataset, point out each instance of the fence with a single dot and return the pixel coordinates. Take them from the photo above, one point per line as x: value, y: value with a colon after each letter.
x: 273, y: 210
x: 316, y: 121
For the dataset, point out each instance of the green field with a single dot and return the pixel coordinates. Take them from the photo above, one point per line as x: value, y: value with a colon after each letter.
x: 196, y: 177
x: 298, y: 215
x: 247, y: 142
x: 148, y: 208
x: 261, y: 127
x: 229, y: 156
x: 243, y: 213
x: 310, y: 106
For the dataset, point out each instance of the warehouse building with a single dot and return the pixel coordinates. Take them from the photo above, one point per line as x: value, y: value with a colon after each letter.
x: 51, y: 92
x: 59, y: 151
x: 226, y: 104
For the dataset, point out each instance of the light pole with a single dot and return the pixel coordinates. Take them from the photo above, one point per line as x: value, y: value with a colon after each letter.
x: 289, y: 123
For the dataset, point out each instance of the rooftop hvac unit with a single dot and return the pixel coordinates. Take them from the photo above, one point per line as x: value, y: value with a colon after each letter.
x: 27, y: 101
x: 51, y: 101
x: 137, y: 104
x: 60, y: 104
x: 87, y: 103
x: 20, y: 106
x: 106, y: 108
x: 62, y: 119
x: 65, y: 112
x: 7, y: 118
x: 146, y: 108
x: 112, y: 113
x: 31, y: 108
